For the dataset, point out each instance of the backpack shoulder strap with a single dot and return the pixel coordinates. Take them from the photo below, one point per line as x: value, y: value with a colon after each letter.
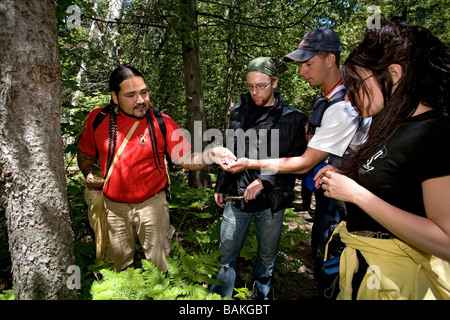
x: 339, y: 96
x: 169, y: 163
x: 319, y: 108
x: 101, y: 116
x: 162, y: 127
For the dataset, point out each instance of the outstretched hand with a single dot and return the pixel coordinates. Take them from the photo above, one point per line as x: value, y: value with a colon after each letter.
x: 223, y: 157
x: 237, y: 166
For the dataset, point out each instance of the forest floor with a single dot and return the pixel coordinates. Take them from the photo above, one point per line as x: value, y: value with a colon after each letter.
x: 301, y: 287
x: 306, y: 288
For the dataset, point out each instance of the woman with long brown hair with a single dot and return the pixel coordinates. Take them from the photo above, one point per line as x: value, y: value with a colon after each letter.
x: 397, y: 186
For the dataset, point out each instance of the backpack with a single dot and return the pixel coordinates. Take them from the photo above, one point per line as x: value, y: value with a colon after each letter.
x: 162, y: 126
x: 319, y: 107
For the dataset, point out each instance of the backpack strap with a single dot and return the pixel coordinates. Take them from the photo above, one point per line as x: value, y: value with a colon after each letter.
x: 162, y: 127
x: 169, y: 164
x: 161, y: 123
x: 101, y: 116
x: 339, y: 96
x: 319, y: 108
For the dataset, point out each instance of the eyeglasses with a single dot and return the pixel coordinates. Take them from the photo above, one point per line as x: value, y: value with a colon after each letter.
x: 258, y: 86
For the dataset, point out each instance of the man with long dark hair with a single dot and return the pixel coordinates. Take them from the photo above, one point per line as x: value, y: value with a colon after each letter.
x: 135, y: 194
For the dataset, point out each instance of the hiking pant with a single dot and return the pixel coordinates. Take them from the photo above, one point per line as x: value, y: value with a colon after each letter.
x: 233, y: 232
x: 147, y: 221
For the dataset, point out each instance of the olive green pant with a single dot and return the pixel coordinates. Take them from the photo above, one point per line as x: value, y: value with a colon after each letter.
x: 148, y: 221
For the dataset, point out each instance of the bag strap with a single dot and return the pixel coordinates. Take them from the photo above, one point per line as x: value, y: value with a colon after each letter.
x: 119, y: 152
x: 101, y: 116
x: 162, y: 127
x: 167, y: 159
x: 320, y: 106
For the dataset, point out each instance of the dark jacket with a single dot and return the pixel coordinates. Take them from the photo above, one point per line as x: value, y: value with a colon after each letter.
x: 278, y: 190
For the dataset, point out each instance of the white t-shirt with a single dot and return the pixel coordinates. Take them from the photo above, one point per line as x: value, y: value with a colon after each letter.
x: 337, y: 129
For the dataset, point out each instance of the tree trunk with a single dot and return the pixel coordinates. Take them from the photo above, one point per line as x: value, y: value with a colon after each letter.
x: 193, y: 86
x: 31, y: 157
x: 231, y: 49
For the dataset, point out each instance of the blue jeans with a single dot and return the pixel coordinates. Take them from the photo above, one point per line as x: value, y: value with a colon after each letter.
x: 233, y: 231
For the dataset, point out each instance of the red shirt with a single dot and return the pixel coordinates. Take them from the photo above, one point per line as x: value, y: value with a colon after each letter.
x: 135, y: 177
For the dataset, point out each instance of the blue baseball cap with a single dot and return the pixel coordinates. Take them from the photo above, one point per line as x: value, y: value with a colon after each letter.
x: 313, y: 42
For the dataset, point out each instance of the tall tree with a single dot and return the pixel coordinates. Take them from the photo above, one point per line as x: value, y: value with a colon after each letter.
x: 193, y: 83
x: 31, y: 156
x: 231, y: 56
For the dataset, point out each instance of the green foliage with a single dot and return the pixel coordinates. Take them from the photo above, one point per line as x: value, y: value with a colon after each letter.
x: 191, y: 208
x: 186, y: 279
x: 194, y: 213
x: 289, y: 260
x: 243, y: 294
x: 230, y: 33
x: 5, y: 257
x: 206, y: 240
x: 7, y: 295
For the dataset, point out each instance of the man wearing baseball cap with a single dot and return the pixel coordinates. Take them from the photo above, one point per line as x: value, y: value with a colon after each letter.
x: 319, y: 53
x: 313, y: 42
x: 332, y: 127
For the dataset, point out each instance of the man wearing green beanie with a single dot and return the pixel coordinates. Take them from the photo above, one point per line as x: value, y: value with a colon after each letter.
x: 260, y: 115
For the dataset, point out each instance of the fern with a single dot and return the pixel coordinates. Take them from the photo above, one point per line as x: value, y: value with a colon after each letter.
x: 7, y: 295
x: 187, y: 278
x: 206, y: 240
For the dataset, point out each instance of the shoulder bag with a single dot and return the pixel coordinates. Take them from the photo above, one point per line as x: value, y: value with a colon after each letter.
x: 96, y: 204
